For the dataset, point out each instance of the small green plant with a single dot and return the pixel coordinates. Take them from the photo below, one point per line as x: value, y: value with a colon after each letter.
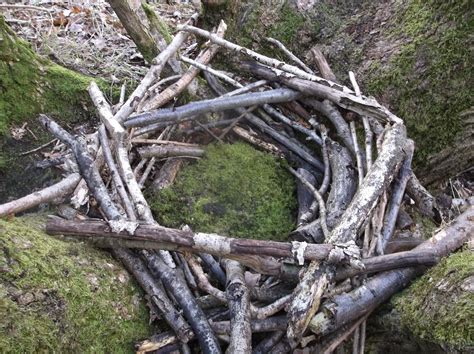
x: 235, y: 190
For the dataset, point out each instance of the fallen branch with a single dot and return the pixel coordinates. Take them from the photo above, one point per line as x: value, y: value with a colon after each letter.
x: 46, y: 195
x: 345, y: 308
x: 187, y: 241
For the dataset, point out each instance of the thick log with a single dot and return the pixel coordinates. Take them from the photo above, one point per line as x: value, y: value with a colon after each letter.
x: 375, y: 183
x: 197, y: 242
x: 46, y: 195
x: 345, y: 308
x: 130, y: 19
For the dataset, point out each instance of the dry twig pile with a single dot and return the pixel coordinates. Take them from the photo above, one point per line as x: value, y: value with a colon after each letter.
x: 313, y: 291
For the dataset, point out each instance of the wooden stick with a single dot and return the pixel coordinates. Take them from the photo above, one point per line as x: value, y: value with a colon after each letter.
x: 257, y: 122
x: 25, y: 7
x: 345, y: 308
x: 158, y: 64
x: 179, y: 86
x: 214, y: 105
x: 120, y: 135
x: 86, y: 166
x: 199, y: 242
x: 262, y: 58
x: 343, y: 187
x: 166, y: 151
x: 295, y: 125
x: 268, y: 343
x: 322, y: 64
x: 289, y: 54
x: 216, y: 73
x: 347, y: 100
x: 157, y: 296
x: 222, y: 327
x: 104, y: 141
x: 238, y: 297
x: 38, y: 148
x: 374, y: 184
x: 162, y: 142
x: 398, y: 191
x: 252, y: 139
x: 193, y: 313
x: 318, y: 197
x: 46, y: 195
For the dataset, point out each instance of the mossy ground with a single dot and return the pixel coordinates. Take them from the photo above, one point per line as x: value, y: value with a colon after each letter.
x: 29, y: 85
x: 431, y: 79
x: 234, y: 190
x: 58, y: 296
x: 250, y: 22
x: 439, y: 306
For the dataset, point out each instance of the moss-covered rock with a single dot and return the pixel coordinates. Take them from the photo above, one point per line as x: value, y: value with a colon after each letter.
x: 235, y: 190
x: 439, y: 306
x: 58, y: 296
x: 430, y: 79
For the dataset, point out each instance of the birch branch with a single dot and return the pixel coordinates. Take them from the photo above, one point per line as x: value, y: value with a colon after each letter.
x: 46, y: 195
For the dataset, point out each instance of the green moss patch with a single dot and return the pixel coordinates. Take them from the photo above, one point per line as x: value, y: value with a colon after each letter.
x: 235, y: 190
x: 58, y: 296
x: 439, y: 306
x: 29, y: 85
x: 430, y: 79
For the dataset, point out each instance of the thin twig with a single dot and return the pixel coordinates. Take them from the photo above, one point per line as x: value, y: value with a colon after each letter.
x: 38, y: 148
x: 290, y: 54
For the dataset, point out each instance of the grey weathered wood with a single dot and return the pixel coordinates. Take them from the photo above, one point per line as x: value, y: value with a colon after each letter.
x: 238, y: 297
x: 187, y: 240
x: 157, y: 295
x: 344, y: 308
x: 86, y: 166
x: 213, y: 105
x: 60, y: 189
x: 165, y: 151
x: 175, y: 283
